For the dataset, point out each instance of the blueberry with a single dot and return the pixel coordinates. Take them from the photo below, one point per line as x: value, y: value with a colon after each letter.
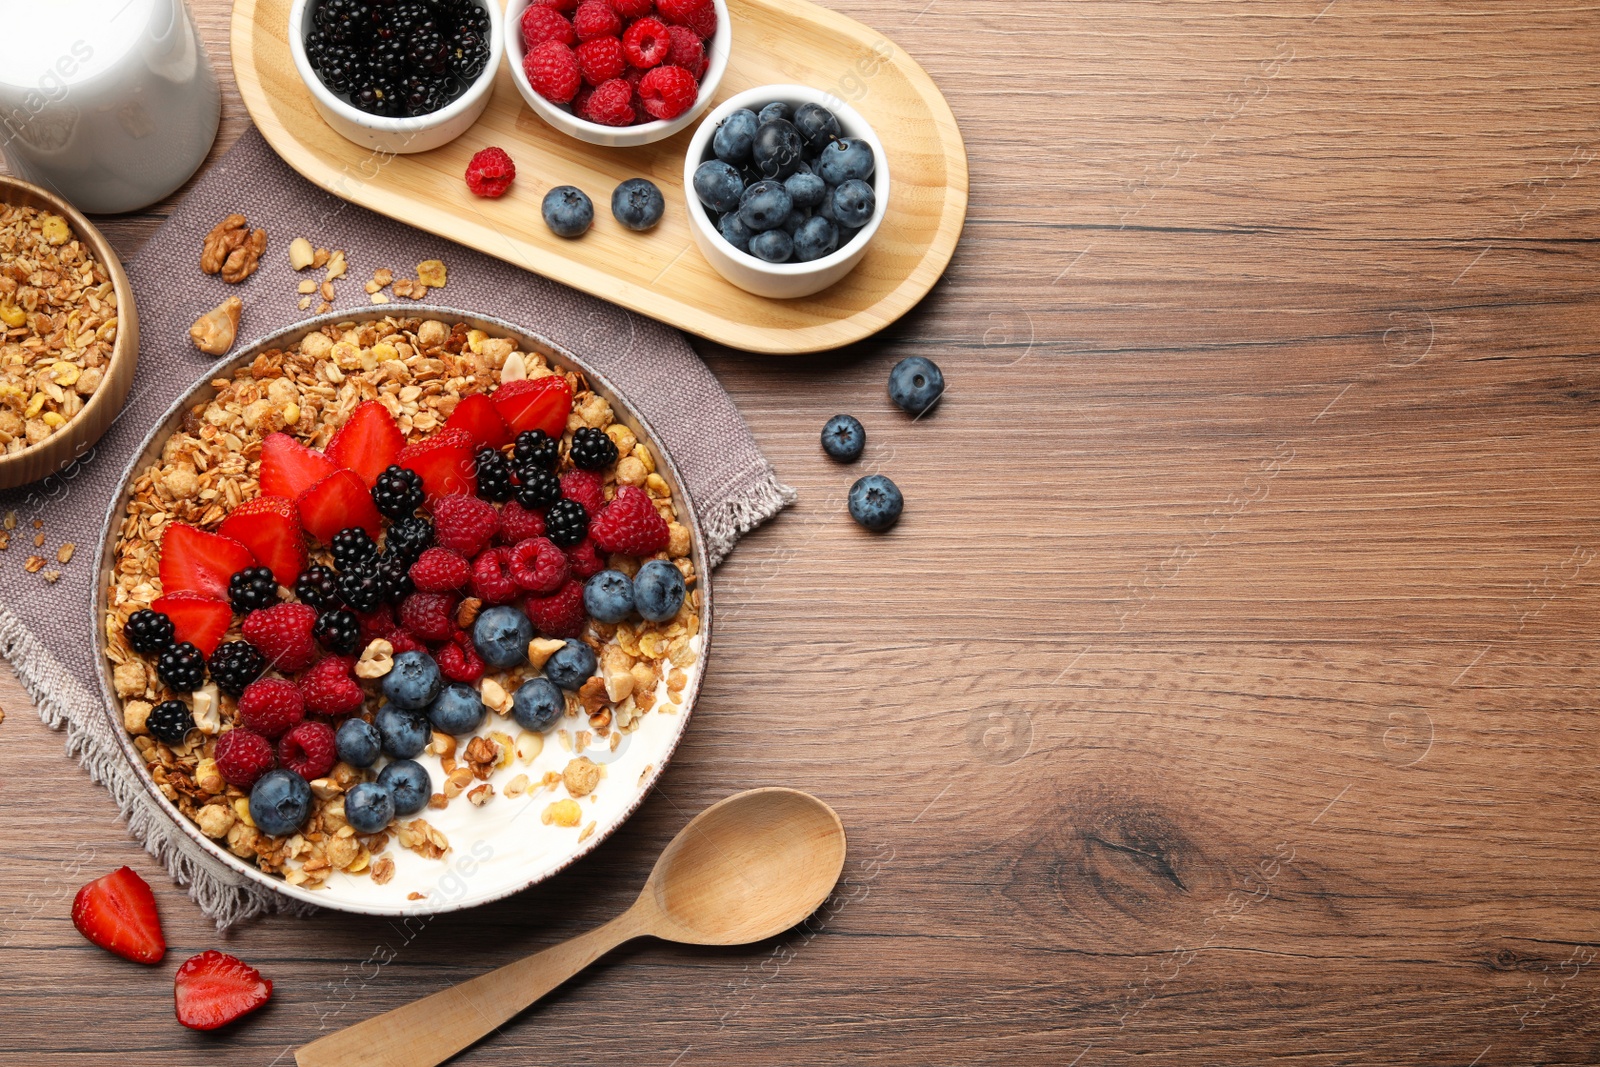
x: 279, y: 802
x: 734, y: 231
x: 846, y: 158
x: 854, y: 203
x: 368, y: 807
x: 765, y: 205
x: 772, y: 112
x: 458, y: 710
x: 817, y: 126
x: 794, y: 220
x: 571, y: 665
x: 825, y: 209
x: 403, y: 733
x: 501, y: 635
x: 734, y: 135
x: 408, y: 782
x: 659, y: 591
x: 843, y: 438
x: 847, y: 234
x: 718, y: 185
x: 568, y: 210
x: 777, y: 149
x: 806, y: 190
x: 413, y: 681
x: 817, y: 238
x: 915, y: 384
x: 875, y: 502
x: 608, y: 596
x: 638, y: 204
x: 537, y: 704
x: 358, y: 743
x: 774, y: 246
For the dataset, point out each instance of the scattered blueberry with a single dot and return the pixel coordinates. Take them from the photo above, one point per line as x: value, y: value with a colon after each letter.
x: 765, y: 205
x: 571, y: 665
x: 608, y: 596
x: 457, y: 710
x: 568, y: 211
x: 658, y: 590
x: 817, y: 238
x: 358, y: 743
x: 817, y: 126
x: 777, y: 149
x: 734, y: 231
x: 805, y: 189
x: 843, y: 438
x: 734, y: 136
x: 279, y: 802
x: 774, y: 246
x: 403, y: 733
x: 408, y: 782
x: 501, y: 635
x: 537, y: 704
x: 915, y: 384
x: 368, y: 807
x: 772, y: 112
x: 638, y: 204
x: 413, y: 681
x: 844, y: 159
x: 718, y: 185
x: 875, y: 502
x: 854, y: 202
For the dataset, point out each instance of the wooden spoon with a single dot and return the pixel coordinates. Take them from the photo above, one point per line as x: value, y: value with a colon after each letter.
x: 747, y: 868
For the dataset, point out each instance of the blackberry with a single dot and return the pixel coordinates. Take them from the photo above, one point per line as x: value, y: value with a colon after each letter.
x: 182, y: 668
x: 426, y: 49
x: 170, y: 721
x: 423, y: 96
x: 494, y: 476
x: 537, y: 448
x: 343, y: 20
x: 339, y: 65
x: 409, y: 18
x: 317, y: 586
x: 408, y: 539
x: 252, y: 589
x: 566, y: 523
x: 337, y: 631
x: 362, y: 588
x: 379, y: 98
x: 351, y: 546
x: 592, y: 450
x: 148, y: 631
x: 235, y: 664
x: 537, y: 488
x: 468, y: 52
x: 398, y: 492
x: 394, y: 575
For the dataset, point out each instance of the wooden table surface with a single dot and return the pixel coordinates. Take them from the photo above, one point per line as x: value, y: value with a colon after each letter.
x: 1225, y: 695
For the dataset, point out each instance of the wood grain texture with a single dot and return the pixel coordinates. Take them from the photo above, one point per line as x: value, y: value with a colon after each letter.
x: 1226, y: 694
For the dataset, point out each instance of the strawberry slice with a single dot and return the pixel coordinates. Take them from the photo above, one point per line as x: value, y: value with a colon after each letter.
x: 197, y: 619
x: 445, y: 462
x: 476, y: 415
x: 339, y: 501
x: 195, y: 561
x: 269, y: 526
x: 118, y: 913
x: 535, y: 404
x: 214, y: 988
x: 289, y: 468
x: 367, y: 442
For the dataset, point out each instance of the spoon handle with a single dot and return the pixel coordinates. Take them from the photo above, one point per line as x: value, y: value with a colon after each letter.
x: 431, y: 1030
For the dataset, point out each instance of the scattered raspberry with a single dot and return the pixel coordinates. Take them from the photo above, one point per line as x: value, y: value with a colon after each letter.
x: 271, y: 707
x: 687, y: 51
x: 439, y: 570
x: 308, y: 750
x: 518, y: 523
x: 538, y: 566
x: 375, y: 624
x: 587, y: 488
x: 489, y: 173
x: 541, y: 24
x: 559, y: 615
x: 584, y: 561
x: 668, y: 92
x: 601, y: 59
x: 646, y: 43
x: 595, y: 18
x: 611, y: 103
x: 404, y: 642
x: 552, y: 70
x: 465, y: 524
x: 330, y: 689
x: 630, y: 524
x: 699, y: 15
x: 430, y: 616
x: 632, y: 9
x: 491, y: 577
x: 459, y: 661
x: 243, y: 756
x: 283, y: 634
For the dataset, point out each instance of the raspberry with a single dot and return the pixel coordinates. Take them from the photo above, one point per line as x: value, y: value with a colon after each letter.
x: 646, y: 42
x: 538, y: 566
x: 560, y: 614
x: 430, y: 616
x: 491, y: 577
x: 459, y: 661
x: 243, y: 756
x: 464, y: 523
x: 404, y: 642
x: 329, y: 689
x: 489, y: 173
x: 308, y: 750
x: 668, y: 92
x: 594, y: 18
x: 440, y: 570
x: 630, y: 524
x: 552, y: 70
x: 375, y: 624
x: 541, y: 24
x: 611, y: 103
x: 271, y: 707
x: 601, y: 59
x: 687, y: 51
x: 583, y: 561
x: 587, y: 488
x: 557, y: 5
x: 518, y: 523
x: 284, y: 635
x: 699, y: 15
x: 632, y: 9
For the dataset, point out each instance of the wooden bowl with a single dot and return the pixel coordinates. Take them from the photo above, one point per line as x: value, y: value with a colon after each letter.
x: 58, y: 451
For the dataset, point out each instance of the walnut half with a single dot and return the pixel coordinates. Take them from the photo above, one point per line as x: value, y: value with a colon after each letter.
x: 232, y: 249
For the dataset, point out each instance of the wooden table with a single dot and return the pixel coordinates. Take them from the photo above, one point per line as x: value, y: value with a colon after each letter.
x: 1226, y: 693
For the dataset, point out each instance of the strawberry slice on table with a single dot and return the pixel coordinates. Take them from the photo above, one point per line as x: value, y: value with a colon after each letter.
x: 368, y: 442
x: 269, y: 526
x: 535, y: 404
x: 476, y: 415
x: 195, y: 561
x: 198, y: 619
x: 214, y: 988
x: 445, y: 462
x: 118, y: 913
x: 289, y: 468
x: 339, y: 501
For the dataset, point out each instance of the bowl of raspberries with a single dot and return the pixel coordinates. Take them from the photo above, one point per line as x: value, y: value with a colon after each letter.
x: 618, y: 73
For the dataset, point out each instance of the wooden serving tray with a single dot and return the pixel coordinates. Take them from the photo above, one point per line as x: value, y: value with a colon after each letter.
x: 661, y: 273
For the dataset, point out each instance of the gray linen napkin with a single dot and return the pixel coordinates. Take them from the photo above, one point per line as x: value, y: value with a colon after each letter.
x: 46, y: 628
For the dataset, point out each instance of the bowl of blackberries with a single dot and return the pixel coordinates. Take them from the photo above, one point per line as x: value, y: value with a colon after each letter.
x: 786, y: 187
x: 397, y: 75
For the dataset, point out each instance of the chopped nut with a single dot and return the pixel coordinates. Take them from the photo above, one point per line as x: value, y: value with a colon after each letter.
x: 456, y: 781
x: 336, y: 266
x: 325, y: 788
x: 377, y: 659
x: 209, y: 778
x: 495, y: 696
x: 213, y: 333
x: 467, y: 612
x: 481, y: 795
x: 529, y: 745
x: 483, y: 756
x: 540, y: 649
x: 206, y: 706
x: 301, y: 254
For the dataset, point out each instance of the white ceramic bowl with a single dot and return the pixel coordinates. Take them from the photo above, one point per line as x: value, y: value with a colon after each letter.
x: 781, y: 280
x: 561, y: 117
x: 400, y: 136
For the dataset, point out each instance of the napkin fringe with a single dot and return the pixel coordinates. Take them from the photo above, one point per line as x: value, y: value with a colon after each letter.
x: 762, y: 497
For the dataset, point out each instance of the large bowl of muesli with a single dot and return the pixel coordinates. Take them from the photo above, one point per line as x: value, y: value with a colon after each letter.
x: 401, y: 613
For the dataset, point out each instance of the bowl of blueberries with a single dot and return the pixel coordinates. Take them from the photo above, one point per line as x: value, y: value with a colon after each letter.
x: 786, y: 186
x: 397, y: 76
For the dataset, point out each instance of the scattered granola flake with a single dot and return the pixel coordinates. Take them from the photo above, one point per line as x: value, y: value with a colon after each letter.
x: 33, y: 564
x: 301, y: 254
x: 5, y: 541
x: 529, y: 745
x: 383, y: 870
x: 562, y: 813
x: 38, y: 524
x: 644, y: 774
x: 379, y: 298
x: 481, y: 795
x: 64, y: 553
x: 514, y: 788
x: 423, y: 838
x: 336, y: 265
x: 38, y: 540
x: 432, y: 273
x: 51, y: 576
x: 11, y: 520
x: 319, y: 259
x: 415, y: 895
x: 587, y: 830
